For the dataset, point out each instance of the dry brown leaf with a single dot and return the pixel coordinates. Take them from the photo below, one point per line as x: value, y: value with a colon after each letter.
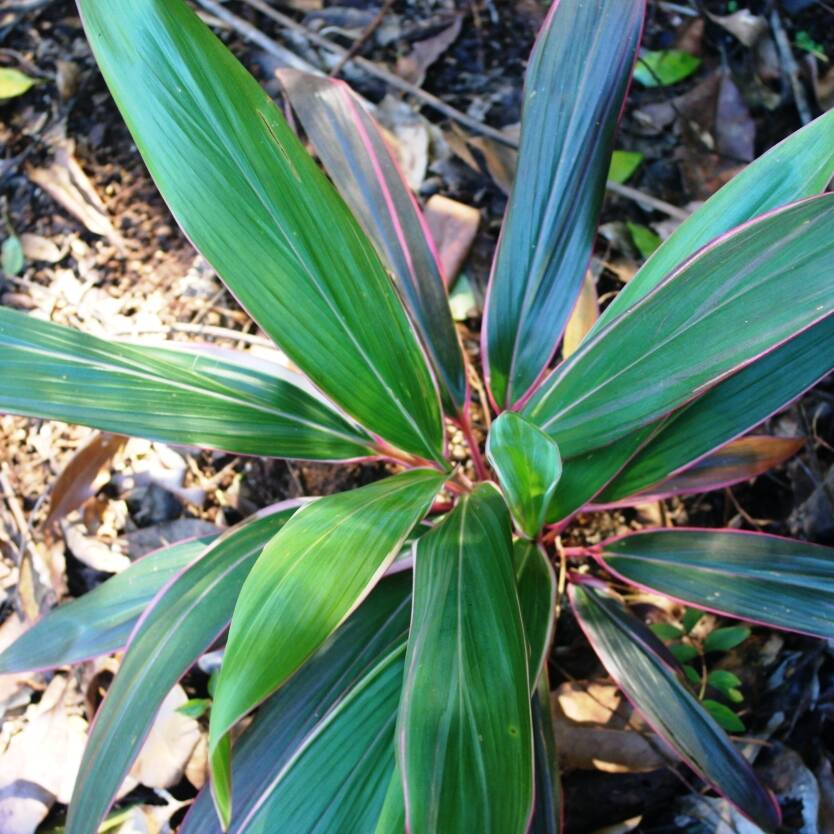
x: 89, y: 549
x: 453, y: 226
x: 600, y: 748
x: 583, y: 317
x: 413, y: 67
x: 65, y: 181
x: 169, y: 745
x: 408, y: 135
x: 80, y: 478
x: 38, y: 248
x: 824, y: 89
x: 743, y: 25
x: 735, y: 130
x: 40, y: 763
x: 501, y: 161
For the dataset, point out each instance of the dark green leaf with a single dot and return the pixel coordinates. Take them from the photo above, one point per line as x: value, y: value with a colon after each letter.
x: 253, y: 201
x: 307, y: 580
x: 576, y: 81
x: 798, y: 167
x: 666, y: 631
x: 683, y: 652
x: 528, y: 466
x: 654, y: 689
x: 536, y: 584
x: 665, y: 67
x: 722, y: 679
x: 175, y: 396
x: 101, y: 621
x: 392, y: 817
x: 623, y: 165
x: 724, y: 716
x: 729, y: 409
x: 364, y: 169
x: 770, y: 279
x: 547, y: 809
x: 187, y: 616
x: 766, y: 579
x: 724, y: 639
x: 465, y: 736
x: 195, y: 707
x: 266, y: 754
x: 691, y: 675
x: 691, y: 618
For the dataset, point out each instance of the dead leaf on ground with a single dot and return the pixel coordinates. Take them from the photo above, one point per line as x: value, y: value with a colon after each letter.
x: 65, y: 181
x: 453, y: 226
x: 735, y: 130
x: 583, y: 317
x: 38, y: 248
x: 824, y: 89
x: 501, y: 161
x: 39, y: 766
x: 747, y: 27
x: 89, y: 549
x: 83, y: 476
x: 424, y: 53
x: 14, y: 689
x: 408, y: 135
x: 169, y: 745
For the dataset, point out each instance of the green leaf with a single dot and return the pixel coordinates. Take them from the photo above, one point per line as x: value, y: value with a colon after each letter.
x: 254, y: 202
x: 665, y: 67
x: 724, y: 716
x: 307, y: 581
x: 465, y: 735
x: 644, y: 238
x: 392, y: 817
x: 166, y: 394
x: 691, y: 618
x: 12, y: 259
x: 195, y: 707
x: 683, y: 652
x: 722, y: 679
x: 576, y: 81
x: 364, y: 169
x: 536, y: 588
x: 691, y: 675
x: 528, y: 466
x: 623, y: 165
x: 666, y: 631
x: 765, y: 579
x: 14, y: 83
x: 724, y: 639
x: 101, y: 621
x: 266, y: 788
x: 186, y: 618
x: 769, y: 278
x: 797, y: 167
x: 726, y: 411
x: 654, y: 689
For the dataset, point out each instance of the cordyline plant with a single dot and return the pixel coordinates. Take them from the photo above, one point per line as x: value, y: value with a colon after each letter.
x: 394, y: 643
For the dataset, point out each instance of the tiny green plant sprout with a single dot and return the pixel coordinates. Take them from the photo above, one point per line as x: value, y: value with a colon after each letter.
x: 391, y: 640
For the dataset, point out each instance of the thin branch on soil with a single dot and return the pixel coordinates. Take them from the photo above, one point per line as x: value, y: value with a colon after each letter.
x: 363, y: 38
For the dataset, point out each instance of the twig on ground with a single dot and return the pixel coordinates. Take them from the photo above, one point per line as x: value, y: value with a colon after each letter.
x: 789, y: 66
x: 363, y: 38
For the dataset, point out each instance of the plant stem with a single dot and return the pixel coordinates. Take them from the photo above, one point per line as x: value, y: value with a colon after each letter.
x: 477, y: 459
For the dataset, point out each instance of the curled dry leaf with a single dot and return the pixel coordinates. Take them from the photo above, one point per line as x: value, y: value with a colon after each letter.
x: 413, y: 67
x: 81, y: 476
x: 743, y: 24
x: 453, y: 226
x: 583, y: 317
x: 39, y: 248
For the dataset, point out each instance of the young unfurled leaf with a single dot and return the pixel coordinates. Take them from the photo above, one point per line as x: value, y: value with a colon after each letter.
x: 724, y: 639
x: 765, y: 579
x: 183, y: 621
x: 654, y: 689
x: 308, y: 579
x: 465, y: 736
x: 724, y: 716
x: 257, y: 206
x: 14, y: 83
x: 528, y: 465
x: 623, y: 165
x: 665, y: 67
x: 584, y: 53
